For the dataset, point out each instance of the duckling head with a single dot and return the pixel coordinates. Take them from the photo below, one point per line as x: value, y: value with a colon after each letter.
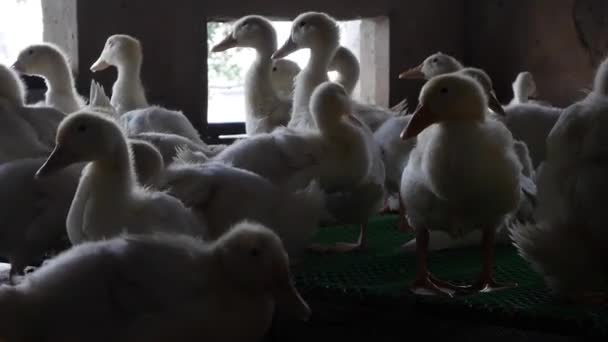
x: 450, y: 97
x: 254, y: 257
x: 284, y: 73
x: 434, y: 65
x: 40, y: 60
x: 486, y: 83
x: 11, y: 87
x: 252, y: 31
x: 330, y: 103
x: 120, y: 49
x: 83, y: 137
x: 525, y: 85
x: 311, y: 30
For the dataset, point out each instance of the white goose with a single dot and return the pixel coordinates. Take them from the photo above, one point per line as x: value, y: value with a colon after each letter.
x: 109, y: 200
x: 18, y: 138
x: 451, y: 119
x: 51, y: 63
x: 125, y: 53
x: 161, y: 287
x: 265, y: 109
x: 567, y: 245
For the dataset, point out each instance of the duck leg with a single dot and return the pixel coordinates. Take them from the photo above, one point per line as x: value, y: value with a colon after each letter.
x: 486, y: 282
x: 404, y: 226
x: 386, y: 209
x: 360, y: 245
x: 424, y: 280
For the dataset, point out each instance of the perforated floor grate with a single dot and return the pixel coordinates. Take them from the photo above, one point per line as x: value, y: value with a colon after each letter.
x: 384, y: 272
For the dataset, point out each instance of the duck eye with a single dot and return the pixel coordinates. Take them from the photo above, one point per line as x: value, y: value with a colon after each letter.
x: 434, y: 60
x: 443, y: 90
x: 82, y: 128
x: 274, y: 68
x: 302, y: 24
x: 30, y: 52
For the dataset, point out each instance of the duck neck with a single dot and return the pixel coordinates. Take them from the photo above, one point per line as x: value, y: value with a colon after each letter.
x: 309, y: 78
x: 114, y: 175
x: 60, y: 81
x: 128, y: 91
x: 600, y: 83
x: 518, y: 93
x: 129, y: 73
x: 348, y: 70
x: 260, y: 95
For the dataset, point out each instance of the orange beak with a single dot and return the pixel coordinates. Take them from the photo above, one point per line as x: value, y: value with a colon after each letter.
x: 412, y: 74
x: 421, y: 119
x: 287, y: 49
x: 228, y: 43
x: 495, y: 105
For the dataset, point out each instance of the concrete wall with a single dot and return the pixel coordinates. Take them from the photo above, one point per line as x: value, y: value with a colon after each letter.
x: 560, y: 41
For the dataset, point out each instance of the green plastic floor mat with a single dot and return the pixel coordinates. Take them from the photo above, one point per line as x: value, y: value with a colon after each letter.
x: 384, y: 273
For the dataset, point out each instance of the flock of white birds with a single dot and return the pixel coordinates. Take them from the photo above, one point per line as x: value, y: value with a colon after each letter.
x: 174, y: 239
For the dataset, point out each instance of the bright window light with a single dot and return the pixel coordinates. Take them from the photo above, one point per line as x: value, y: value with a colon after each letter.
x: 226, y: 71
x: 20, y: 25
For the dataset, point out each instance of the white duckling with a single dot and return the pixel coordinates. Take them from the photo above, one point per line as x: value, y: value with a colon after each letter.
x: 156, y: 288
x: 224, y: 195
x: 395, y: 155
x: 567, y: 244
x: 284, y: 73
x: 265, y: 109
x: 440, y: 64
x: 339, y: 155
x: 32, y: 221
x: 441, y: 240
x: 450, y: 119
x: 18, y: 139
x: 436, y: 64
x: 345, y: 63
x: 528, y: 122
x: 51, y: 63
x: 128, y: 95
x: 109, y: 200
x: 125, y: 53
x: 319, y: 33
